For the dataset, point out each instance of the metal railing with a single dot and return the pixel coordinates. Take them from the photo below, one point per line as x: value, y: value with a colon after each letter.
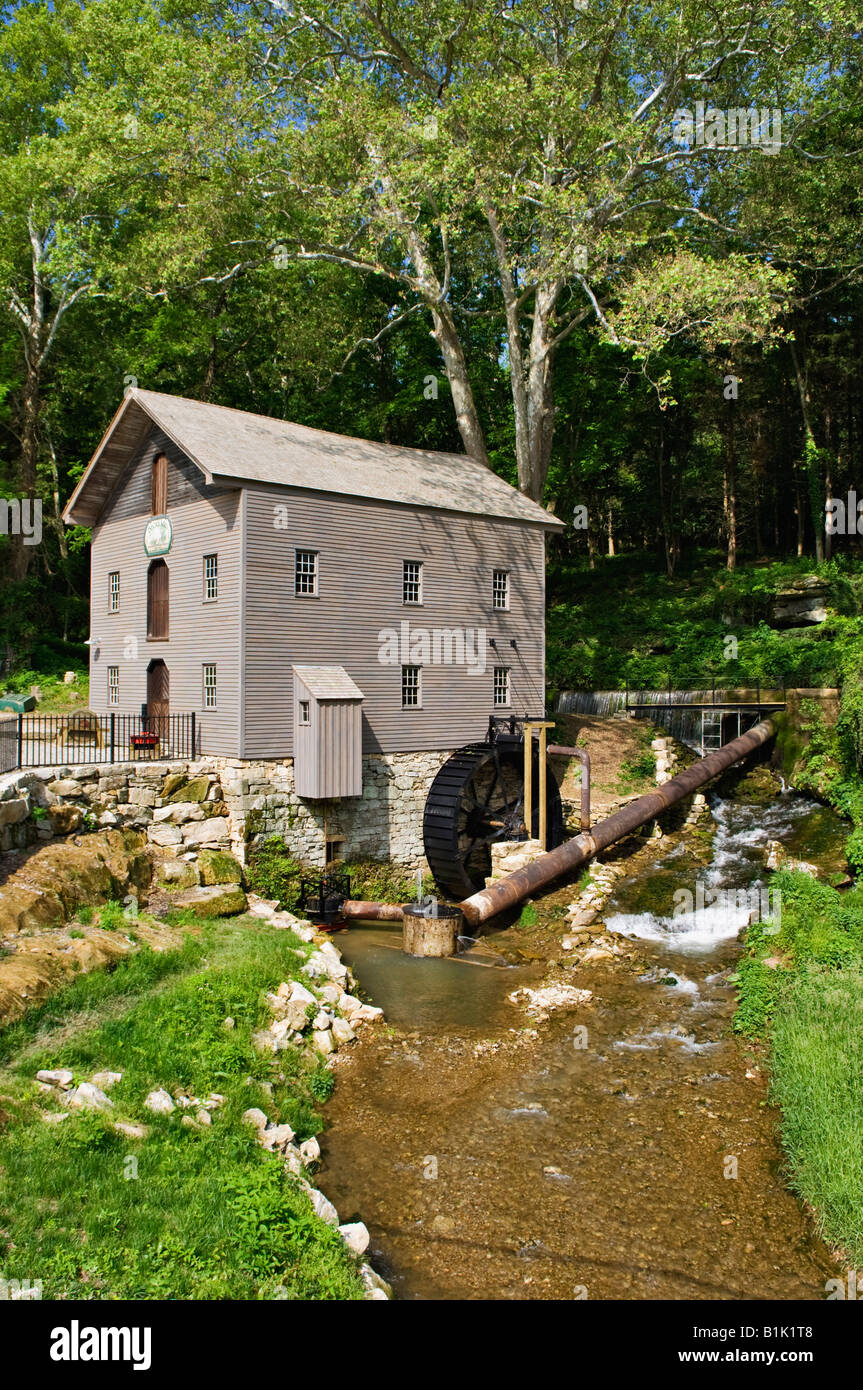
x: 47, y: 740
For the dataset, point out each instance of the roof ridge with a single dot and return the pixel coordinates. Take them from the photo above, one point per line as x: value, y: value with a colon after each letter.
x: 316, y: 429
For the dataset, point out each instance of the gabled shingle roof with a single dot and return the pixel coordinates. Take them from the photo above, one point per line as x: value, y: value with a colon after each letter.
x: 328, y: 682
x: 237, y: 446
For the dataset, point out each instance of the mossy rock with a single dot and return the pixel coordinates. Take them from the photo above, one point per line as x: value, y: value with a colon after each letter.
x: 196, y: 790
x: 217, y: 866
x: 214, y: 808
x: 66, y: 875
x: 172, y: 783
x: 217, y: 900
x: 177, y: 874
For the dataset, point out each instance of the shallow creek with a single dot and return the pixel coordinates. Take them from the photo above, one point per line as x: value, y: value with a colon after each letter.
x: 496, y: 1156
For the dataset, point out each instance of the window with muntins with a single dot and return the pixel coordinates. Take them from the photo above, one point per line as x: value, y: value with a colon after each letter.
x: 113, y: 685
x: 209, y: 686
x: 306, y: 573
x: 411, y: 687
x: 500, y: 589
x: 114, y: 591
x: 211, y: 578
x: 305, y: 716
x: 412, y: 581
x: 501, y: 685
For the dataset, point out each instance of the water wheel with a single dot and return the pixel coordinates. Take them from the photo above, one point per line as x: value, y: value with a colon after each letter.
x: 476, y: 799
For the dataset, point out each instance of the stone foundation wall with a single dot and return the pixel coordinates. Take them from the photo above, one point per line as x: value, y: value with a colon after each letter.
x: 225, y: 803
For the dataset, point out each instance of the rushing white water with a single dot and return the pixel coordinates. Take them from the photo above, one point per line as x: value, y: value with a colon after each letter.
x: 731, y: 891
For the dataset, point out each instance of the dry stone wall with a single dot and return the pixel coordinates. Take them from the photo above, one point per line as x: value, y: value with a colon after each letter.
x: 225, y: 803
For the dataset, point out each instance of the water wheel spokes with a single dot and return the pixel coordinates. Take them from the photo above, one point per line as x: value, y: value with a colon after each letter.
x: 477, y: 799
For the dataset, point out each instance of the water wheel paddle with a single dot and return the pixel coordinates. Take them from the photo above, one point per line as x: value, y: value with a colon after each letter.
x: 476, y: 799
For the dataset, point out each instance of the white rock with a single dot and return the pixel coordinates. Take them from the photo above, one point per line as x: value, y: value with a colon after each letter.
x: 356, y: 1237
x: 331, y: 994
x: 107, y: 1079
x: 300, y: 995
x: 255, y: 1117
x: 342, y: 1031
x: 205, y: 832
x: 87, y: 1097
x: 368, y: 1013
x: 164, y: 835
x: 131, y: 1131
x: 349, y: 1004
x: 323, y: 1020
x: 551, y: 997
x: 63, y: 1078
x: 376, y: 1287
x: 160, y: 1103
x: 323, y: 1207
x: 310, y: 1151
x: 277, y: 1137
x: 325, y: 965
x: 324, y: 1041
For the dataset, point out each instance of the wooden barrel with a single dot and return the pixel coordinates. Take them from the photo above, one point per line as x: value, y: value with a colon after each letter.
x: 431, y: 936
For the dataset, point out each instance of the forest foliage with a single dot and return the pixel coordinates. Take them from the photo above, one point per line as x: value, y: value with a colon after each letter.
x: 462, y: 226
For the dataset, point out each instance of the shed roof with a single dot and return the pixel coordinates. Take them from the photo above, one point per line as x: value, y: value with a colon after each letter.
x: 328, y: 682
x: 236, y: 446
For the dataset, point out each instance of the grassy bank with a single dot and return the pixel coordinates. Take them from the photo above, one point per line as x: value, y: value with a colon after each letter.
x: 801, y: 996
x: 184, y: 1212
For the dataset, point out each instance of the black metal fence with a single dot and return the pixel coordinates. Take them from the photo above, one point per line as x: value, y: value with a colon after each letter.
x: 46, y: 740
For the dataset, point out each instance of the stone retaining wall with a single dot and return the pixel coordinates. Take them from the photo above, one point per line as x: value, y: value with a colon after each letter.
x: 225, y: 803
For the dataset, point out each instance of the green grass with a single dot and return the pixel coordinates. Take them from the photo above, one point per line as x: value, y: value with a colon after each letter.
x: 55, y: 697
x: 809, y: 1010
x: 183, y: 1213
x: 625, y: 622
x: 817, y: 1061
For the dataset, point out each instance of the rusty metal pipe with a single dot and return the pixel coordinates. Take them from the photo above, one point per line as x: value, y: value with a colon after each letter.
x: 584, y: 758
x: 372, y: 912
x: 544, y: 870
x: 547, y: 867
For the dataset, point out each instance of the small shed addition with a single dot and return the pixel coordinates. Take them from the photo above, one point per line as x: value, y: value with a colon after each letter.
x: 328, y: 733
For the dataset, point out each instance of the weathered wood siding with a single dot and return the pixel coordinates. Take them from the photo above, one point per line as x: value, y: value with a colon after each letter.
x: 361, y: 546
x: 206, y: 520
x: 328, y: 751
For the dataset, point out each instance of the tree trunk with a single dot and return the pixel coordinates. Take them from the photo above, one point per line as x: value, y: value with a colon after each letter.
x: 20, y: 554
x: 729, y: 497
x: 668, y: 540
x: 467, y: 418
x: 812, y: 468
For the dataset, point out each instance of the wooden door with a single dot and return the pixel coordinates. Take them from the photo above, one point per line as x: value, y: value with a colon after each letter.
x: 158, y: 612
x: 158, y: 699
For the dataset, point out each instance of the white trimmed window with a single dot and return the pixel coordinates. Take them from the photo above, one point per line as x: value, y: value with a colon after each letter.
x: 306, y: 573
x: 209, y: 676
x: 113, y: 685
x: 411, y: 687
x: 114, y: 591
x: 211, y: 578
x: 501, y: 685
x: 412, y: 581
x: 500, y: 588
x: 305, y: 712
